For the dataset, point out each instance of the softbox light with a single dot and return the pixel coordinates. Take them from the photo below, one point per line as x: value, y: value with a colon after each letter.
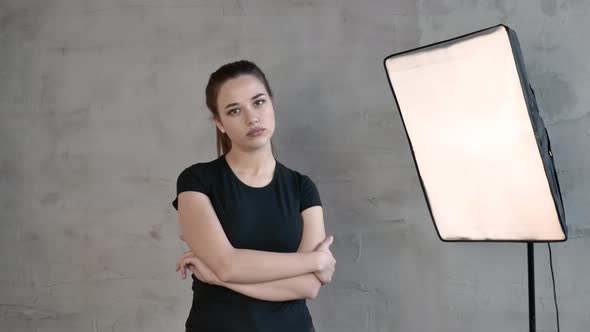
x: 481, y: 149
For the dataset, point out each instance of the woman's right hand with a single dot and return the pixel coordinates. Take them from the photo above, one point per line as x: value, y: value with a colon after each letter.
x: 201, y: 271
x: 327, y: 260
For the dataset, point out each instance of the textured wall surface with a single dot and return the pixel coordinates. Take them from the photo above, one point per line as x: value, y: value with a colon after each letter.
x: 102, y: 105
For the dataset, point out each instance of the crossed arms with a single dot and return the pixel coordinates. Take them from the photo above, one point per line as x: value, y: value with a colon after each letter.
x: 263, y: 275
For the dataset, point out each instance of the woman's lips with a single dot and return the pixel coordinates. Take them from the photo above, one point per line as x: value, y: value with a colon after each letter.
x: 255, y: 132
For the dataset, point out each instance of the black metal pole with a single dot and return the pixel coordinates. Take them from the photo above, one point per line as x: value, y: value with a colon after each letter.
x: 531, y: 268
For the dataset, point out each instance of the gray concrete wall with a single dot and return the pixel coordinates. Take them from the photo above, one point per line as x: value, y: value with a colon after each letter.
x: 102, y: 104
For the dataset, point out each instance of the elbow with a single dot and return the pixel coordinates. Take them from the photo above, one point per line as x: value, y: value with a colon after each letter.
x: 224, y: 274
x: 225, y: 269
x: 313, y: 293
x: 313, y: 290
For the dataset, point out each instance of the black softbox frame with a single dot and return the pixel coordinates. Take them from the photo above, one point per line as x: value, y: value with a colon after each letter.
x: 527, y: 95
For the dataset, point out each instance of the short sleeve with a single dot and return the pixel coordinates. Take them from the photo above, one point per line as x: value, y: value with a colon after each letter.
x: 309, y: 194
x: 188, y: 180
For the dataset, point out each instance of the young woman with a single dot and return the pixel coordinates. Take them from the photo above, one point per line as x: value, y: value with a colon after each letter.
x: 255, y: 228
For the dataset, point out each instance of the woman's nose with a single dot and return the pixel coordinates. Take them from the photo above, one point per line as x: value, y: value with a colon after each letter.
x: 251, y: 117
x: 253, y: 121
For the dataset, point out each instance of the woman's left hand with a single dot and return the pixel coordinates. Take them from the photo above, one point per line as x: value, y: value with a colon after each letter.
x: 189, y: 261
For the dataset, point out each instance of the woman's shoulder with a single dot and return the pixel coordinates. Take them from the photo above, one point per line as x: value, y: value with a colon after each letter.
x: 200, y: 167
x: 304, y: 185
x: 296, y: 174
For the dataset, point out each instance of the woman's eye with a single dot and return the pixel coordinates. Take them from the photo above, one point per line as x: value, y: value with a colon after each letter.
x: 233, y: 111
x: 259, y: 102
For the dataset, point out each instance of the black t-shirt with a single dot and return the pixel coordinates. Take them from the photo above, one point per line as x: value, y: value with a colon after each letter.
x: 266, y: 218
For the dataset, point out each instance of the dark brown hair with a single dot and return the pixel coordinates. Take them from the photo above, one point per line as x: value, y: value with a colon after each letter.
x: 217, y: 79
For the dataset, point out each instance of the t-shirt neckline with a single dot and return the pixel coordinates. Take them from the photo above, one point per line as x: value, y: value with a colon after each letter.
x: 235, y: 176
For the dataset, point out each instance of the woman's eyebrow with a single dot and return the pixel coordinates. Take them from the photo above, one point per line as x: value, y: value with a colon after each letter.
x: 258, y: 95
x: 236, y: 104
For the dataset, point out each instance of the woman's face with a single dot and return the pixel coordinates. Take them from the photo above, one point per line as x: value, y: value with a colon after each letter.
x: 246, y: 113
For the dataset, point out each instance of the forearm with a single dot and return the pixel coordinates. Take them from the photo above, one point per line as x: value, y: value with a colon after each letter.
x: 245, y: 266
x: 304, y: 286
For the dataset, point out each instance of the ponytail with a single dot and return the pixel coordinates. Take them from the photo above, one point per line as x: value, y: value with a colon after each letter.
x: 223, y: 143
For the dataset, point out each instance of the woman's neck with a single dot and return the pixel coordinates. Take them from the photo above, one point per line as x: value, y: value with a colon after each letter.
x: 251, y: 162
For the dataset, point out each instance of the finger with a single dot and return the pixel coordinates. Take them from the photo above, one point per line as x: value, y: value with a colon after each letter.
x: 182, y: 269
x: 192, y: 258
x: 179, y: 263
x: 330, y: 240
x: 182, y: 266
x: 327, y: 242
x: 185, y: 255
x: 322, y: 245
x: 192, y: 263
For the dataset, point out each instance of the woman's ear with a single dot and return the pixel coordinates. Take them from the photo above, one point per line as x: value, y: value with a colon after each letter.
x: 219, y: 125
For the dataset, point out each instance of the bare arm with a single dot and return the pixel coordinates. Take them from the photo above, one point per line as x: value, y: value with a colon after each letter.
x: 204, y: 235
x: 305, y: 286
